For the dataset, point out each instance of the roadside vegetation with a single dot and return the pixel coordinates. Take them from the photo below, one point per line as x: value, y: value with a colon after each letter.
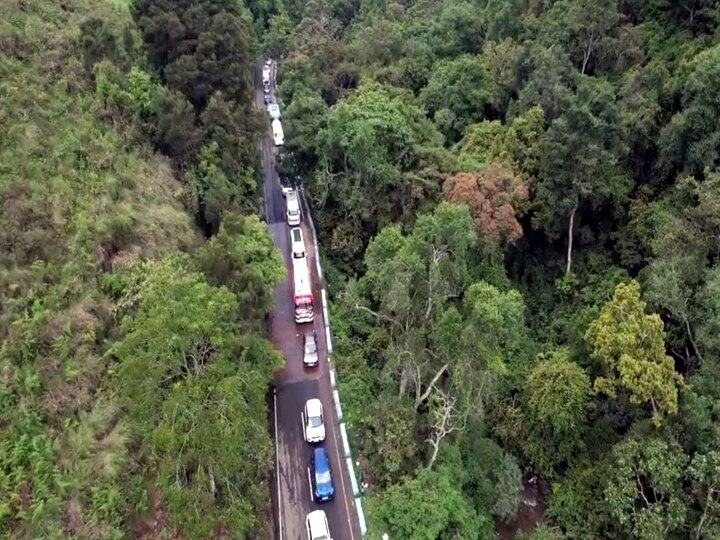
x: 133, y: 362
x: 518, y: 205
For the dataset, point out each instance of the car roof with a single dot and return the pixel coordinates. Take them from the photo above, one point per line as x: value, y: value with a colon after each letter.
x: 317, y: 521
x: 314, y: 406
x: 321, y: 458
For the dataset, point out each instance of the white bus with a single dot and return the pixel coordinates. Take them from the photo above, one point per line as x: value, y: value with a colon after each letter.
x: 302, y: 291
x: 277, y: 131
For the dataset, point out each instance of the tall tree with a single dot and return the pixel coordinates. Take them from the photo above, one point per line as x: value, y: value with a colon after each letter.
x: 586, y: 134
x: 243, y: 257
x: 429, y: 507
x: 459, y: 93
x: 644, y: 488
x: 630, y: 345
x: 374, y: 167
x: 557, y: 399
x: 689, y: 142
x: 493, y: 197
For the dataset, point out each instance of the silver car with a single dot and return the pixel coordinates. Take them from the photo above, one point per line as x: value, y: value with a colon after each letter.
x: 310, y: 350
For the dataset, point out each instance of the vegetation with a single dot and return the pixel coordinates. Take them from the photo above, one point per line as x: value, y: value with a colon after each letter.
x: 518, y: 203
x: 519, y: 206
x: 133, y: 361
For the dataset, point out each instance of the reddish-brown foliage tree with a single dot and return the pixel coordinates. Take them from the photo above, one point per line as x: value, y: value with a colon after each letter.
x: 493, y: 196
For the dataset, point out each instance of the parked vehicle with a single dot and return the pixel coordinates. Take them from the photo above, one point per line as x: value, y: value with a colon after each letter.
x: 292, y: 208
x: 303, y: 298
x: 313, y: 422
x: 311, y: 357
x: 274, y: 111
x: 277, y: 131
x: 323, y: 489
x: 297, y: 243
x: 267, y: 98
x: 317, y: 526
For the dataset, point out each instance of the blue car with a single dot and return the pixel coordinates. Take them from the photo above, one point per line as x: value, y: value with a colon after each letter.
x: 268, y: 99
x: 322, y: 482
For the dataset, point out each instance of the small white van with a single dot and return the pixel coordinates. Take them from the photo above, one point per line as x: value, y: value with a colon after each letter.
x: 292, y: 213
x: 297, y: 243
x: 277, y: 131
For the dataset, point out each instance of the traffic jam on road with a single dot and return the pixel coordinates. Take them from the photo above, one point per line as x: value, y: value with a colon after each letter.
x: 321, y: 488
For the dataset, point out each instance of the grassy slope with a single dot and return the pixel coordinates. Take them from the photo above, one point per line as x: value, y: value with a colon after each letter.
x: 76, y: 200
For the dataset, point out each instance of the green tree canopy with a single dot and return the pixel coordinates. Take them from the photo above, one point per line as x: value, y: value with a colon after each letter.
x: 644, y: 488
x: 428, y: 507
x: 630, y: 345
x: 371, y: 143
x: 244, y: 258
x: 557, y: 399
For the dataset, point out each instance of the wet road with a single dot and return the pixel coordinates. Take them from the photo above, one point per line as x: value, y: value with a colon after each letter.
x: 295, y: 384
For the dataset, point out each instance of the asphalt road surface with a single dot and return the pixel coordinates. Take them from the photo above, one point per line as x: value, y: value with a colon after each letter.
x: 294, y: 385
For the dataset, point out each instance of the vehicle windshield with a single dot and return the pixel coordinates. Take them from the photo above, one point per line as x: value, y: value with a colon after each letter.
x: 315, y: 421
x: 323, y: 477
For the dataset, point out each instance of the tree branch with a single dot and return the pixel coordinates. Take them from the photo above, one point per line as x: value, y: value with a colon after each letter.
x: 424, y: 396
x: 570, y: 236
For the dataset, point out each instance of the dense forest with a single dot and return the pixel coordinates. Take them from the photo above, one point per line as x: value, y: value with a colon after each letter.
x: 518, y: 203
x: 518, y: 206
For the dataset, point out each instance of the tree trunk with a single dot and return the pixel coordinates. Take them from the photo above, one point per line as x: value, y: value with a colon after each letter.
x: 570, y: 237
x: 692, y: 341
x: 436, y: 448
x: 701, y: 525
x: 588, y: 52
x: 424, y: 396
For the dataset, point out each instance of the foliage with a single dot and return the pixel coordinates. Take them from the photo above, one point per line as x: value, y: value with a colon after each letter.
x: 243, y: 257
x: 189, y: 396
x: 492, y: 197
x: 88, y: 215
x: 428, y: 507
x: 557, y: 399
x: 630, y: 344
x: 643, y: 488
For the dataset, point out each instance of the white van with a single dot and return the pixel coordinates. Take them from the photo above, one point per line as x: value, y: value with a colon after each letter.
x: 278, y: 135
x: 292, y: 213
x: 297, y: 243
x: 266, y: 75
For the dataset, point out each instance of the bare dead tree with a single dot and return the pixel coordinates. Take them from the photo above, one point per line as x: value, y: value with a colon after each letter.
x: 445, y: 420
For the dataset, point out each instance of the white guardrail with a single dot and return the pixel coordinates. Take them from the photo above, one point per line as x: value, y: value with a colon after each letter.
x: 347, y: 454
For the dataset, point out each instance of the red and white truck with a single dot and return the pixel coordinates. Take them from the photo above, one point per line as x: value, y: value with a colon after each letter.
x: 302, y: 291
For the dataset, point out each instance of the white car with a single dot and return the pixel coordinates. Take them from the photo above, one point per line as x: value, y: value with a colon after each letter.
x: 274, y: 111
x: 317, y: 526
x: 313, y: 423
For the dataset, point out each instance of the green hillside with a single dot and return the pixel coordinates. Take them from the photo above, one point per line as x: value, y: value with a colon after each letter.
x: 108, y: 289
